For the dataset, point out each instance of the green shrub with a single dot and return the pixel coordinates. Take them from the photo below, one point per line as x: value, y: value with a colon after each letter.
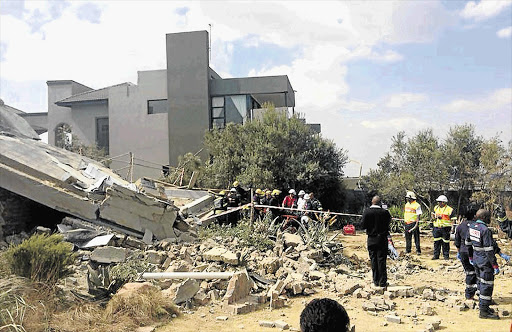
x: 41, y: 258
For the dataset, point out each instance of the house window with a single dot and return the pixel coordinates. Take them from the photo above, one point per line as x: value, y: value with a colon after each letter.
x: 157, y: 106
x: 218, y: 114
x: 102, y: 134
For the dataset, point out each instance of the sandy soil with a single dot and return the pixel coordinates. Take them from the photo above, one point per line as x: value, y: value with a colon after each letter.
x: 435, y: 275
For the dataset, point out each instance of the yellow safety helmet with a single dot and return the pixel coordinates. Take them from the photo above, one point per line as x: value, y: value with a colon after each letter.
x: 276, y: 192
x: 268, y: 192
x: 259, y: 192
x: 236, y: 184
x: 222, y: 193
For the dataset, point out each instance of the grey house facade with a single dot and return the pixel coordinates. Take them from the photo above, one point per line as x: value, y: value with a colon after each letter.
x: 167, y: 112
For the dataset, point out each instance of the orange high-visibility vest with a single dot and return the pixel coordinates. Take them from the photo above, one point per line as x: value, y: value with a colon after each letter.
x: 443, y: 216
x: 410, y: 215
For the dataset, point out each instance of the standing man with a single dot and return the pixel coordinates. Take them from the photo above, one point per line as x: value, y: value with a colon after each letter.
x: 461, y: 233
x: 481, y: 253
x: 290, y: 201
x: 412, y: 213
x: 442, y: 226
x: 376, y: 222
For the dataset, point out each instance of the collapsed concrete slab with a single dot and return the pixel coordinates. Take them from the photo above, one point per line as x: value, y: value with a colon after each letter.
x: 78, y: 186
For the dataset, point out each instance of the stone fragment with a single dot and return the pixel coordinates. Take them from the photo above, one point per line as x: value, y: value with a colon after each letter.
x: 271, y: 264
x: 410, y: 313
x: 218, y: 254
x: 109, y: 254
x: 426, y: 309
x: 214, y: 295
x: 148, y: 237
x: 242, y: 308
x: 389, y: 295
x: 221, y: 318
x: 201, y: 298
x: 186, y: 290
x: 239, y: 287
x: 436, y: 322
x: 505, y: 313
x: 292, y: 240
x: 281, y: 325
x: 393, y: 319
x: 277, y: 302
x: 347, y: 287
x: 276, y: 289
x: 146, y: 329
x: 265, y: 323
x: 155, y: 257
x: 428, y: 294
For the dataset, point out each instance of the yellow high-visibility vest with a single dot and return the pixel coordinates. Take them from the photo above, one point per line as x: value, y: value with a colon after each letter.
x: 443, y: 216
x: 410, y: 215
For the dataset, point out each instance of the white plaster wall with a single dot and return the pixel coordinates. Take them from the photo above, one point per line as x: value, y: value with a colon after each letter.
x: 132, y: 129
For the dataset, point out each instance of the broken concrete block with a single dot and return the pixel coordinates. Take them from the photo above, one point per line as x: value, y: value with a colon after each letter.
x: 242, y: 308
x: 277, y: 302
x: 239, y: 287
x: 221, y: 318
x: 276, y: 288
x: 214, y: 295
x: 155, y: 257
x: 393, y: 319
x: 148, y: 237
x: 428, y: 294
x: 271, y: 264
x: 292, y: 240
x: 218, y: 254
x: 426, y: 309
x: 435, y: 321
x: 347, y: 287
x: 281, y: 325
x: 389, y: 295
x: 109, y: 255
x: 265, y: 323
x: 186, y: 290
x: 201, y: 298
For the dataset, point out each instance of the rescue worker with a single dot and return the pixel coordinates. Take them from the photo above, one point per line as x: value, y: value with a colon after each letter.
x: 461, y: 233
x: 504, y: 222
x: 221, y: 203
x: 242, y: 193
x: 290, y: 201
x: 315, y: 203
x: 301, y: 201
x: 442, y: 226
x: 412, y: 213
x: 481, y: 253
x: 257, y: 198
x: 233, y: 202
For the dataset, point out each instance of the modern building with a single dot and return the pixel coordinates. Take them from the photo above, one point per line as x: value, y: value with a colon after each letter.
x: 167, y: 112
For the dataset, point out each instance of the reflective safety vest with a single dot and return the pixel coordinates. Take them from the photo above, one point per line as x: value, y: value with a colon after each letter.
x: 410, y: 215
x: 443, y: 216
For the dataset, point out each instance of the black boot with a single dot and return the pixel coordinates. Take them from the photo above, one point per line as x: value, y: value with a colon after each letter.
x: 486, y: 314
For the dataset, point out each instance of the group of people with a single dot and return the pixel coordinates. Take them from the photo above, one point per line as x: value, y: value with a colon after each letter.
x: 475, y: 245
x: 298, y: 205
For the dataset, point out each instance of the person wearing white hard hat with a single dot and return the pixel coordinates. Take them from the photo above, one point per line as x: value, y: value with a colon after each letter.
x: 442, y: 226
x: 412, y: 213
x: 301, y: 201
x: 290, y: 201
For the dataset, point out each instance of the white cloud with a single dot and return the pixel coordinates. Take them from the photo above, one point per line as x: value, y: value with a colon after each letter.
x: 403, y: 99
x: 505, y: 32
x: 396, y: 124
x: 498, y: 100
x: 484, y: 9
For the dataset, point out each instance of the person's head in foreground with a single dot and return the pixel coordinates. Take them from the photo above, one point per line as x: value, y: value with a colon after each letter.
x: 324, y: 315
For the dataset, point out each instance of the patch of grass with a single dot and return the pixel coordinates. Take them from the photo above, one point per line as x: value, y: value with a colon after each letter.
x: 41, y: 258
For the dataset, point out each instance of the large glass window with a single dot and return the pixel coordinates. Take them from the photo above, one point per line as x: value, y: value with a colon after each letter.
x: 218, y: 113
x: 227, y: 109
x: 157, y: 106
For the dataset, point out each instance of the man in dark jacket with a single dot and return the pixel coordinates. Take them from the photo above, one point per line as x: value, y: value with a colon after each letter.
x: 461, y: 233
x: 376, y: 222
x: 481, y: 252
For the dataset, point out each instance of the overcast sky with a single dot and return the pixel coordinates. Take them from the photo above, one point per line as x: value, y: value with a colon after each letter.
x: 363, y: 70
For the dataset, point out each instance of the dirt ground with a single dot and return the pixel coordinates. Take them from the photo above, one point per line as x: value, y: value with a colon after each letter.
x: 436, y: 275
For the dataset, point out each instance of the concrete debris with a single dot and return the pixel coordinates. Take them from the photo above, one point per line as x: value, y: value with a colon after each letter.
x: 186, y: 290
x: 108, y: 255
x: 221, y: 318
x: 393, y: 319
x: 239, y: 287
x: 222, y: 255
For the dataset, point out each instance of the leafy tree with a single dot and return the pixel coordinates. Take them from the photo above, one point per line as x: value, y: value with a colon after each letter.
x: 495, y: 173
x: 275, y: 152
x: 461, y: 153
x: 66, y: 140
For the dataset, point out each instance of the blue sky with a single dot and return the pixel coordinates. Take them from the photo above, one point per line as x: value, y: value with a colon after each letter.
x: 363, y: 70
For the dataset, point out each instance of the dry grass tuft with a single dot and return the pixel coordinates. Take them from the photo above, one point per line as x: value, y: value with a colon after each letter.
x: 125, y: 312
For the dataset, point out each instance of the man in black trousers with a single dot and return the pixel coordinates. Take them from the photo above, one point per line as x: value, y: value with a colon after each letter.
x: 376, y: 222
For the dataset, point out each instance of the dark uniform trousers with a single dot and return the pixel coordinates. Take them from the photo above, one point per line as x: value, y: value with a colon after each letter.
x: 378, y: 252
x: 408, y: 237
x: 441, y: 239
x: 471, y: 281
x: 485, y: 280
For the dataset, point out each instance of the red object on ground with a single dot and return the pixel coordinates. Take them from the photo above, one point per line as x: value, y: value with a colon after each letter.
x: 349, y: 230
